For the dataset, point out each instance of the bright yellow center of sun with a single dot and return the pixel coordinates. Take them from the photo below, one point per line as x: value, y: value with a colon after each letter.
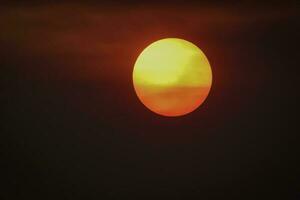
x: 172, y: 77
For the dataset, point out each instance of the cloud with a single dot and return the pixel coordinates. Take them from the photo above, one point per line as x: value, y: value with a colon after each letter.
x: 105, y: 39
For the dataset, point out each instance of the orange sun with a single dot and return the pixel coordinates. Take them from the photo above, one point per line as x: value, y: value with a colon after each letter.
x: 172, y: 77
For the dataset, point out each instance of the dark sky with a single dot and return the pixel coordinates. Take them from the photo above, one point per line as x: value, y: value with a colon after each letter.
x: 73, y: 127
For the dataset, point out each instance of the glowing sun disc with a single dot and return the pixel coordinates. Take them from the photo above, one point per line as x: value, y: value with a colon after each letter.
x: 172, y: 77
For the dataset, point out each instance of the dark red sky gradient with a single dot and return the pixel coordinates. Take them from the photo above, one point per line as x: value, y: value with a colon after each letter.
x: 103, y: 42
x: 74, y: 127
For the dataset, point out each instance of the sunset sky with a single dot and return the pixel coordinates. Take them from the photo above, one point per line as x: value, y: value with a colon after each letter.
x: 74, y: 128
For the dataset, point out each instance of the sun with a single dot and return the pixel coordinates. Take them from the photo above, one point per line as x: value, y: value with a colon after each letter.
x: 172, y: 77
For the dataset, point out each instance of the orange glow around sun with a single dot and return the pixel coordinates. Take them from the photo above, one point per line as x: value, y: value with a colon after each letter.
x: 172, y: 77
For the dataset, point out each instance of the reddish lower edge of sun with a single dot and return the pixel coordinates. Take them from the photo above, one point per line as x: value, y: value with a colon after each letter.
x: 172, y: 77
